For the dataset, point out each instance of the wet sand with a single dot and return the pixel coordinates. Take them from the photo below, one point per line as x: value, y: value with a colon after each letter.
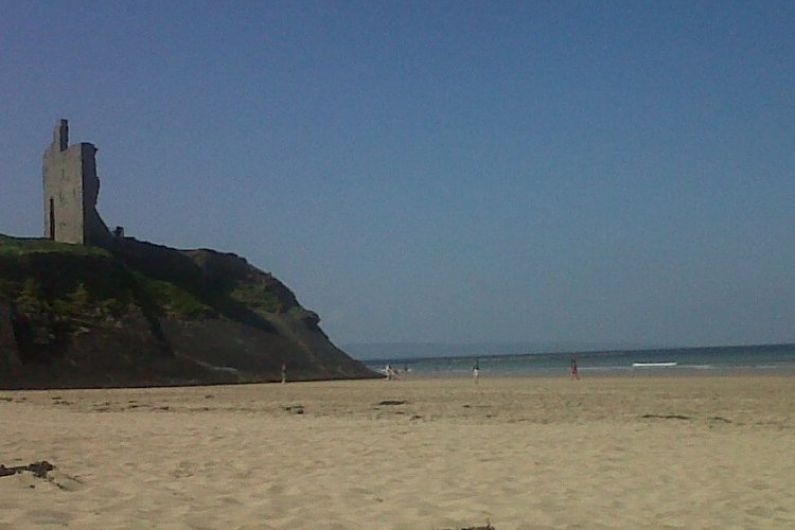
x: 637, y: 451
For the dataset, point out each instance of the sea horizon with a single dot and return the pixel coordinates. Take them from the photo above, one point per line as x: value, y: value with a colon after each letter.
x: 718, y: 358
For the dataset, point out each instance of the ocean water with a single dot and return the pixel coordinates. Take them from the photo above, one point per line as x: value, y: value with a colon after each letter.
x: 768, y: 358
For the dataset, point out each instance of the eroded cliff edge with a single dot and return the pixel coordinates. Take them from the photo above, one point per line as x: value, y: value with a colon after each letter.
x: 139, y: 314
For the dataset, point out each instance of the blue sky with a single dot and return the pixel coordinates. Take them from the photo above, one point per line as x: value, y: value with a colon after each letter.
x: 438, y: 172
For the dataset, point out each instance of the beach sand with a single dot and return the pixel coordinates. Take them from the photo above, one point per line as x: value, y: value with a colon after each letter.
x: 635, y: 451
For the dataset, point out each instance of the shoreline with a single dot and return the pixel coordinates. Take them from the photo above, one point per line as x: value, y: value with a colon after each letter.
x: 590, y: 373
x: 485, y: 376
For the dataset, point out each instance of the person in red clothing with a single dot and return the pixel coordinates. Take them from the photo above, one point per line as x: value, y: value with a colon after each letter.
x: 575, y: 374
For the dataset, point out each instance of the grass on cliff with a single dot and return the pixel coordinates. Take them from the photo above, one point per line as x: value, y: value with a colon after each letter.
x: 83, y: 284
x: 19, y: 246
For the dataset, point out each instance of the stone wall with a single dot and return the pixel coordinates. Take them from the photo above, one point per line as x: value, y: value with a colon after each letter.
x: 71, y: 189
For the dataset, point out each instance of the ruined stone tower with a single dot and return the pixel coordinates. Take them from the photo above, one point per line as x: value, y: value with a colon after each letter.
x: 71, y: 188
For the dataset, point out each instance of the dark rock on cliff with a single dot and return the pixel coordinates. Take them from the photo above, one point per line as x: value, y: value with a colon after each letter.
x: 140, y: 314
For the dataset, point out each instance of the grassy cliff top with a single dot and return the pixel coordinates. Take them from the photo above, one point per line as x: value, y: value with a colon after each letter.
x: 80, y: 284
x: 19, y: 246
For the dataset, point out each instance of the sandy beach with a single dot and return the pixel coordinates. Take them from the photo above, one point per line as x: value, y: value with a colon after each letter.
x: 523, y: 453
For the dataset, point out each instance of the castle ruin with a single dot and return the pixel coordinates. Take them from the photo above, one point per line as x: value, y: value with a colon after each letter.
x: 71, y: 188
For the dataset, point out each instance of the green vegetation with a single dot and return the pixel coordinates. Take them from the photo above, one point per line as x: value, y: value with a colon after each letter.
x: 17, y: 246
x: 80, y: 286
x: 174, y: 301
x: 72, y: 284
x: 256, y: 296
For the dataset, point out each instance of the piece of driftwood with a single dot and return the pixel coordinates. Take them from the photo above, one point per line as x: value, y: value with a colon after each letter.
x: 666, y: 416
x: 39, y: 469
x: 487, y: 527
x: 392, y: 402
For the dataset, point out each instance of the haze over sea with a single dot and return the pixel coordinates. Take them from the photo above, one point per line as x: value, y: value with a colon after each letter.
x: 777, y: 357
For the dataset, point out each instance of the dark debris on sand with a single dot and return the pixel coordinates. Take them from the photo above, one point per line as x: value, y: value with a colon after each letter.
x: 487, y: 527
x: 39, y: 469
x: 666, y: 416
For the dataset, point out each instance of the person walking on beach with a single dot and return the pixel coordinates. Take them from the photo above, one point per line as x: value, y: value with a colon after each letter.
x: 476, y: 371
x: 284, y: 373
x: 575, y: 374
x: 388, y: 372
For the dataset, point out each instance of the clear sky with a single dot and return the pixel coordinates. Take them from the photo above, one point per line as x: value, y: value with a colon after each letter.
x: 438, y: 171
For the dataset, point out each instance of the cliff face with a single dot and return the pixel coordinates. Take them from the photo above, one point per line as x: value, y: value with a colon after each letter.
x: 143, y: 314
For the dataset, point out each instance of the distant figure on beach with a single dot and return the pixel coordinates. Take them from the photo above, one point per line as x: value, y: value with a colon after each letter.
x: 388, y: 372
x: 476, y: 371
x: 284, y: 373
x: 575, y: 374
